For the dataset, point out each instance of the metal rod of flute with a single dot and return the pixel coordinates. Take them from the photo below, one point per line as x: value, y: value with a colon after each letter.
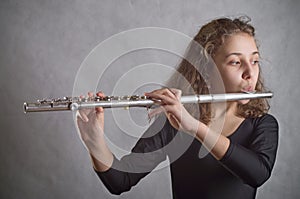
x: 76, y: 103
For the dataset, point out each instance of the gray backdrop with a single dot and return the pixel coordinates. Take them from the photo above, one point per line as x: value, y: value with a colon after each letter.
x: 43, y: 44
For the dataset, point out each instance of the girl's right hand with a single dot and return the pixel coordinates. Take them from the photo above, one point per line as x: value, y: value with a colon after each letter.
x: 91, y: 124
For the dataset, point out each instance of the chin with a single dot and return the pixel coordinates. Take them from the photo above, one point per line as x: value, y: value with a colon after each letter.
x: 244, y: 101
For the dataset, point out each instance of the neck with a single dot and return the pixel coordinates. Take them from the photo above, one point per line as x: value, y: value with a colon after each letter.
x: 225, y: 109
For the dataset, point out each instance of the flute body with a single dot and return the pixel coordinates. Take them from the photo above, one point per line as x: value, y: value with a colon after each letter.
x: 76, y: 103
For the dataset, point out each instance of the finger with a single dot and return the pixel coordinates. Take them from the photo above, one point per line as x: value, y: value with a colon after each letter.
x: 79, y: 122
x: 163, y: 98
x: 100, y: 94
x: 82, y: 115
x: 164, y: 91
x: 90, y: 94
x: 176, y: 92
x: 99, y: 109
x: 169, y: 91
x: 99, y: 112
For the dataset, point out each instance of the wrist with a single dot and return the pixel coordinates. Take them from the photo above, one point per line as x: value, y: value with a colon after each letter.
x: 200, y: 130
x: 194, y: 127
x: 101, y: 166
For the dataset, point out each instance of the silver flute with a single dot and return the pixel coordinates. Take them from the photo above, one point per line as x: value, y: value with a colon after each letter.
x: 77, y: 103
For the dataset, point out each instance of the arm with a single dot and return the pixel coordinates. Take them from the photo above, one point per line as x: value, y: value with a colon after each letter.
x: 90, y: 125
x: 145, y: 156
x: 120, y: 175
x: 179, y: 118
x: 254, y: 164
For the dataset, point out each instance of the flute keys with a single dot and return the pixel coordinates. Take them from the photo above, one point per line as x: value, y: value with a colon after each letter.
x: 134, y: 97
x: 109, y: 98
x: 125, y: 97
x: 63, y: 100
x: 42, y: 101
x: 115, y: 98
x: 97, y: 99
x: 144, y: 97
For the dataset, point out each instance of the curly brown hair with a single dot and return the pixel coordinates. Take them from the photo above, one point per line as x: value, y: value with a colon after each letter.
x: 191, y: 70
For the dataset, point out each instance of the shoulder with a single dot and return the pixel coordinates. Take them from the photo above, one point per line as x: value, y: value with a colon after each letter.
x: 265, y: 128
x: 265, y: 120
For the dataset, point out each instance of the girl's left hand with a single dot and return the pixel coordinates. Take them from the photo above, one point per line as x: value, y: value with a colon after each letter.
x: 178, y: 116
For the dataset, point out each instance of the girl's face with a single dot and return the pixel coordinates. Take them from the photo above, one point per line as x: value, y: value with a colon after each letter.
x: 238, y: 63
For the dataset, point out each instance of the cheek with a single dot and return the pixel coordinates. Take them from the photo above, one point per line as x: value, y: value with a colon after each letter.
x: 256, y: 75
x: 230, y: 79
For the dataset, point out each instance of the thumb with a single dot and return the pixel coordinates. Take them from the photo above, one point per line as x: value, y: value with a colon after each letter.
x: 174, y: 121
x: 99, y: 113
x: 177, y: 93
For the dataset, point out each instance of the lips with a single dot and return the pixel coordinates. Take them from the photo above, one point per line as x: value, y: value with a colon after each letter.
x: 247, y: 89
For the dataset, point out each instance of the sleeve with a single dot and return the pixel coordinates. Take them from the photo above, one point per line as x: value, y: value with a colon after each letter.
x: 144, y: 157
x: 254, y: 164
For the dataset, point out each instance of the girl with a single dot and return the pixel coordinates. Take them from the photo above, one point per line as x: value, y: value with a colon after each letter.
x: 241, y: 151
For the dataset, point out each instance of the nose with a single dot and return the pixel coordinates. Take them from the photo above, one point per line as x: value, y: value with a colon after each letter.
x: 248, y: 71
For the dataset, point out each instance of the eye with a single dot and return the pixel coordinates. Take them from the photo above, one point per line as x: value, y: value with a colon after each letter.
x: 255, y: 62
x: 235, y: 63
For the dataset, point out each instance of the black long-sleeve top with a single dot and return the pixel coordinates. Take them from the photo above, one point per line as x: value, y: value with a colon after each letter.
x: 246, y: 165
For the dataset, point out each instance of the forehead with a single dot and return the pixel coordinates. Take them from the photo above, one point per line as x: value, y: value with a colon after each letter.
x: 238, y: 43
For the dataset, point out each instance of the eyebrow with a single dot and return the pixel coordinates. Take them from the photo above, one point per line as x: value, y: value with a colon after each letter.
x: 254, y: 53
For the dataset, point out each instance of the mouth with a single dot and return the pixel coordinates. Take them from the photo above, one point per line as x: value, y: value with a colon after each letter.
x: 248, y: 89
